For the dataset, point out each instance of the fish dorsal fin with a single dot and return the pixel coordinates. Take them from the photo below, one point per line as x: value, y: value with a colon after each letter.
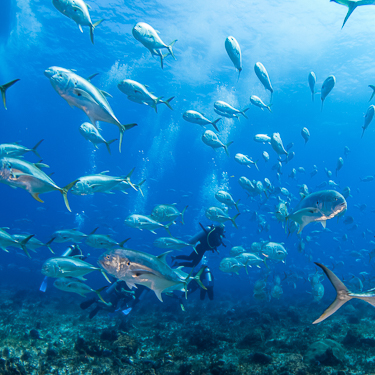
x: 324, y: 223
x: 163, y: 257
x: 94, y: 230
x: 88, y: 6
x: 104, y: 172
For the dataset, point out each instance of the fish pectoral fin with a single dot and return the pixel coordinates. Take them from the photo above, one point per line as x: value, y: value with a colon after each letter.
x: 80, y: 27
x: 158, y: 294
x: 324, y: 223
x: 36, y: 197
x: 85, y: 94
x: 106, y: 94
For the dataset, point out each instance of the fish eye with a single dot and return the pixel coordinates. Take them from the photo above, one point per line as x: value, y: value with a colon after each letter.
x: 107, y: 257
x: 128, y: 263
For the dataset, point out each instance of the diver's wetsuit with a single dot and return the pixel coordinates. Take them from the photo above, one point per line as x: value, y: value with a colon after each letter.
x: 120, y: 298
x: 210, y: 238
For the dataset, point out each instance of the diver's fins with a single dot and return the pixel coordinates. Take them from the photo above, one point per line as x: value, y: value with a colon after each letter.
x: 43, y: 287
x: 127, y: 311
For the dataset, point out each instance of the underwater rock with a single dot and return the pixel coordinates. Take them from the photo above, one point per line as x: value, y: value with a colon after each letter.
x: 327, y: 352
x: 250, y: 340
x: 350, y: 339
x: 260, y: 358
x: 34, y: 334
x: 129, y: 343
x: 108, y: 335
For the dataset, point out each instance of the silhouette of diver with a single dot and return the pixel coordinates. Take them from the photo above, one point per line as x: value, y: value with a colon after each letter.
x: 210, y: 238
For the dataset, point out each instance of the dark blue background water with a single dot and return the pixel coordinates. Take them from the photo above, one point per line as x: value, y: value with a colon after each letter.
x: 290, y: 39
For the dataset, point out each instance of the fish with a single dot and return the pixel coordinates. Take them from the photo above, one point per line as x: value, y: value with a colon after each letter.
x: 68, y: 235
x: 340, y: 163
x: 343, y: 294
x: 281, y: 212
x: 149, y: 37
x: 246, y: 184
x: 277, y: 144
x: 274, y: 250
x: 327, y: 87
x: 368, y: 118
x: 102, y: 241
x: 166, y: 213
x: 254, y: 100
x: 312, y: 81
x: 227, y: 108
x: 231, y: 265
x: 352, y: 5
x: 28, y: 176
x: 7, y: 240
x: 70, y: 285
x: 266, y: 156
x: 197, y: 118
x: 346, y: 150
x: 212, y: 140
x: 70, y: 266
x: 227, y: 115
x: 224, y: 197
x: 367, y: 179
x: 15, y: 150
x: 138, y: 93
x: 218, y: 215
x: 78, y: 11
x: 319, y: 206
x: 81, y: 93
x: 234, y: 52
x: 245, y: 160
x: 172, y: 243
x: 145, y: 222
x: 305, y: 134
x: 262, y: 138
x: 262, y: 74
x: 346, y: 192
x: 4, y: 88
x: 92, y: 134
x: 140, y: 268
x: 314, y: 171
x: 99, y: 183
x: 236, y: 250
x: 250, y: 259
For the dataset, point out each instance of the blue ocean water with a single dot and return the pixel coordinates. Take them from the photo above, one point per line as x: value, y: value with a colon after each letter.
x: 290, y: 38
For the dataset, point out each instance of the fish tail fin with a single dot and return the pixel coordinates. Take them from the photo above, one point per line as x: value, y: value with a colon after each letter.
x: 244, y: 111
x: 351, y: 6
x: 195, y: 249
x: 4, y: 88
x: 122, y: 243
x: 256, y: 165
x: 197, y: 277
x: 139, y: 187
x: 233, y: 220
x: 92, y: 28
x: 24, y: 242
x: 170, y: 48
x: 182, y: 215
x: 321, y: 108
x: 236, y: 205
x: 226, y: 147
x: 373, y: 91
x: 109, y: 143
x: 64, y: 192
x: 214, y: 124
x: 167, y: 102
x: 127, y: 179
x: 363, y: 131
x: 35, y: 147
x: 47, y: 244
x: 98, y: 291
x: 343, y: 294
x: 123, y: 129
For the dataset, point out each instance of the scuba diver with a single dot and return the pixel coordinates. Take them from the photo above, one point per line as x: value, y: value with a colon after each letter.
x: 210, y: 238
x: 121, y: 298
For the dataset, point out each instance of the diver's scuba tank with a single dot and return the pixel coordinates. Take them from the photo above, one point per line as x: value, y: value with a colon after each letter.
x: 201, y: 234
